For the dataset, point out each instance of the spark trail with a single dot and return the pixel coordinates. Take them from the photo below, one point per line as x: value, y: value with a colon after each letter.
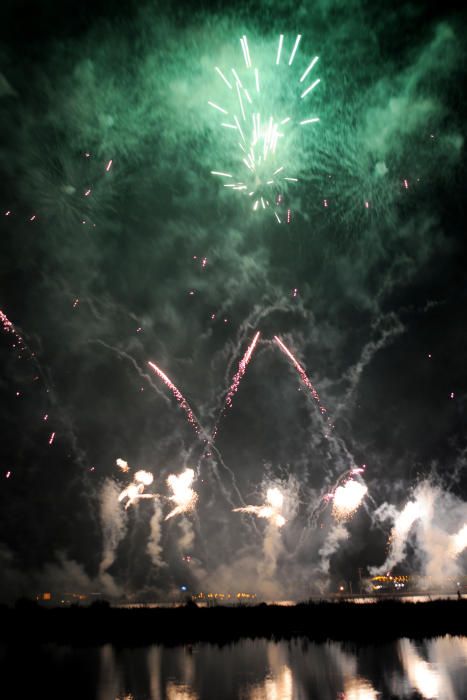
x: 242, y: 365
x: 271, y: 510
x: 9, y: 327
x: 182, y: 402
x: 304, y: 377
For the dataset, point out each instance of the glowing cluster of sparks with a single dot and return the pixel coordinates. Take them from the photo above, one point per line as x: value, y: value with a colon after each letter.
x: 260, y: 135
x: 347, y: 498
x: 135, y: 491
x: 271, y: 510
x: 183, y: 496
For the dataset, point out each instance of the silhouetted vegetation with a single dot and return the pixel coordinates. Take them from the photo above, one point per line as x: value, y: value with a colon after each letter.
x: 100, y: 623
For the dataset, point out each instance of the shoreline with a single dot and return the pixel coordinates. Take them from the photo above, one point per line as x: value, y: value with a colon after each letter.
x: 342, y: 620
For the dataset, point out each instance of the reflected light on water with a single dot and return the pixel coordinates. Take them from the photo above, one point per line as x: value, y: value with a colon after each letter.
x: 431, y: 669
x: 278, y: 687
x: 179, y: 691
x: 422, y: 676
x: 359, y: 689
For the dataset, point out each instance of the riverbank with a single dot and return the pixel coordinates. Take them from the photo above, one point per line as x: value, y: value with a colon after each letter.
x: 318, y: 621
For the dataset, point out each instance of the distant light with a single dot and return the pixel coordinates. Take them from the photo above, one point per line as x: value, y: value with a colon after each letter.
x: 183, y: 588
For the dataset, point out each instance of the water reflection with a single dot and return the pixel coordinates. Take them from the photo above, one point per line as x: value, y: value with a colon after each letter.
x: 248, y: 670
x: 421, y: 674
x: 279, y: 682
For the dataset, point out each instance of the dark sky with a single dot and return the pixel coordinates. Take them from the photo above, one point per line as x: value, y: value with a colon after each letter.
x: 97, y: 284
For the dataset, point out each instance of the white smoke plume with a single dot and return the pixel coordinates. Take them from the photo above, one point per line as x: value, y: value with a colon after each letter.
x: 337, y: 534
x: 187, y: 538
x: 273, y: 547
x: 154, y: 547
x: 437, y: 520
x: 114, y: 525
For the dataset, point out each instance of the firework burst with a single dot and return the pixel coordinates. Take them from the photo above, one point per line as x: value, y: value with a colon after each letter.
x: 135, y: 490
x: 182, y: 494
x: 271, y: 510
x: 347, y: 499
x: 263, y: 103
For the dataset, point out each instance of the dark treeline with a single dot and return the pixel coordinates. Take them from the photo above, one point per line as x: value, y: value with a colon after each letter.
x: 99, y: 623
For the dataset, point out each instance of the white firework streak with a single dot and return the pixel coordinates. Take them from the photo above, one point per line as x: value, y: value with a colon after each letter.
x: 260, y: 138
x: 271, y: 510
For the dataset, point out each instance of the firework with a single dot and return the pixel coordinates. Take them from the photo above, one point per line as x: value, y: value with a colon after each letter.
x: 135, y: 491
x: 347, y: 498
x: 243, y: 364
x: 182, y: 402
x: 271, y: 510
x: 9, y: 327
x: 122, y: 465
x: 304, y: 377
x: 143, y: 477
x: 182, y: 494
x: 261, y: 123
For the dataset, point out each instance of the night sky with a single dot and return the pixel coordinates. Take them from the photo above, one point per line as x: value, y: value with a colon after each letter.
x: 105, y: 266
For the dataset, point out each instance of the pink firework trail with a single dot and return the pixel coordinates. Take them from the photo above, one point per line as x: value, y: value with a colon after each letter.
x: 182, y: 402
x: 303, y: 375
x: 242, y: 365
x: 9, y: 327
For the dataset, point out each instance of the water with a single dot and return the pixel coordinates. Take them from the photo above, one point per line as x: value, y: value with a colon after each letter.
x: 246, y: 670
